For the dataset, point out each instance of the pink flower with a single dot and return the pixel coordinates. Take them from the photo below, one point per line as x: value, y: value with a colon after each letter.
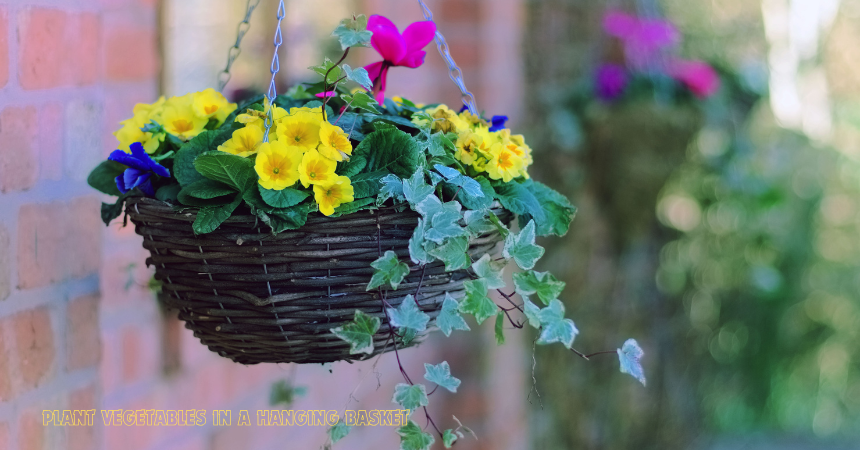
x: 642, y: 38
x: 326, y: 94
x: 396, y: 49
x: 700, y: 78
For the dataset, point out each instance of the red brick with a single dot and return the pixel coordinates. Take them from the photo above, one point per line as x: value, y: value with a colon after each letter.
x: 41, y: 235
x: 83, y: 437
x: 31, y: 433
x: 140, y: 353
x: 83, y: 242
x: 130, y: 54
x: 18, y: 164
x: 83, y: 346
x: 51, y: 142
x: 5, y: 264
x: 5, y: 444
x: 34, y: 339
x: 86, y: 50
x: 4, y: 46
x: 42, y: 54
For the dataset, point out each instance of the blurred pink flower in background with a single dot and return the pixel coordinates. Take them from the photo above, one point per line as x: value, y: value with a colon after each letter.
x: 611, y: 81
x: 642, y: 38
x: 396, y: 49
x: 699, y: 77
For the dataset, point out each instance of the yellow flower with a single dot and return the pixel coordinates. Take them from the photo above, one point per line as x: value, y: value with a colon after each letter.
x: 334, y: 143
x: 467, y: 147
x: 332, y: 194
x: 472, y: 119
x: 244, y: 142
x: 316, y: 168
x: 521, y: 142
x: 445, y: 120
x: 300, y: 131
x: 309, y: 114
x: 179, y: 119
x: 277, y: 165
x: 210, y: 103
x: 131, y: 128
x: 257, y: 118
x: 505, y: 165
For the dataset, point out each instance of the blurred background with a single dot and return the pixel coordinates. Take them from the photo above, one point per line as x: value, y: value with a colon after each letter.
x: 720, y: 232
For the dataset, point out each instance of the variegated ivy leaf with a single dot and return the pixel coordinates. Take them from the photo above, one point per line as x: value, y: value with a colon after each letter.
x: 444, y: 223
x: 448, y: 438
x: 491, y: 271
x: 477, y: 222
x: 338, y: 432
x: 408, y: 315
x: 453, y: 253
x: 416, y: 189
x: 544, y: 284
x: 554, y: 327
x: 410, y: 397
x: 468, y: 184
x: 389, y: 270
x: 450, y: 319
x: 441, y: 375
x: 392, y: 187
x: 499, y: 328
x: 630, y: 357
x: 532, y: 313
x: 412, y: 438
x: 417, y: 251
x: 476, y: 301
x: 521, y: 247
x: 359, y: 333
x: 359, y: 75
x: 353, y: 32
x: 428, y: 206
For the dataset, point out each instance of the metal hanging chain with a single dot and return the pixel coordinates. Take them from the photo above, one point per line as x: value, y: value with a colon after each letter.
x: 274, y: 68
x: 453, y: 71
x: 241, y: 29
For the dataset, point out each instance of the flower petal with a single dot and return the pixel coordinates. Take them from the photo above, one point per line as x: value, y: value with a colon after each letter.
x: 120, y: 183
x: 386, y: 39
x: 139, y: 152
x: 699, y: 77
x: 380, y: 94
x: 126, y: 159
x: 619, y: 24
x: 418, y: 35
x: 498, y: 122
x: 413, y: 60
x: 373, y: 70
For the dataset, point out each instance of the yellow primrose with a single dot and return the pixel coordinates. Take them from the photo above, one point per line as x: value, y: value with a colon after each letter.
x: 505, y: 165
x: 210, y: 103
x: 316, y: 168
x: 521, y: 153
x: 521, y: 142
x: 277, y: 165
x: 179, y: 119
x: 300, y: 131
x: 334, y: 143
x: 244, y: 142
x: 445, y: 120
x: 131, y: 132
x: 332, y: 194
x: 472, y: 119
x: 304, y: 113
x: 467, y: 147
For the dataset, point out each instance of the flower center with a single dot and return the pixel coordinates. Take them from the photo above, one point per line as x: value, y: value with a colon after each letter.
x: 182, y: 125
x: 298, y: 138
x: 276, y: 170
x: 313, y: 175
x: 209, y: 109
x: 505, y: 161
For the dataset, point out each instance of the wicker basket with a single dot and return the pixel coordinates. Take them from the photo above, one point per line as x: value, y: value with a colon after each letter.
x: 255, y: 297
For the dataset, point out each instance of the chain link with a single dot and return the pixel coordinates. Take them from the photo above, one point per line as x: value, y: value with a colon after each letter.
x: 453, y: 70
x: 234, y: 52
x: 274, y: 68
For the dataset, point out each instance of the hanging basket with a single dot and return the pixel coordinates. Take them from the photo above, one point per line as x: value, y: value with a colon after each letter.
x: 255, y: 297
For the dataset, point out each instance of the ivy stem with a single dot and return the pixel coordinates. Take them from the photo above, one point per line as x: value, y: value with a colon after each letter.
x: 325, y: 79
x: 343, y: 112
x: 420, y: 281
x: 455, y: 194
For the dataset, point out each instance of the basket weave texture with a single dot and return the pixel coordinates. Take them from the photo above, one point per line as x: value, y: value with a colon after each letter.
x: 255, y: 297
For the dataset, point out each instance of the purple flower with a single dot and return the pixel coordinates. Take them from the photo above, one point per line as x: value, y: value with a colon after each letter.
x: 611, y: 80
x: 498, y: 123
x: 397, y: 49
x: 140, y: 170
x: 700, y: 78
x: 642, y: 38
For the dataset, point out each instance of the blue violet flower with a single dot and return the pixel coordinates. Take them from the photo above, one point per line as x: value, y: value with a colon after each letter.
x: 140, y: 170
x: 498, y: 123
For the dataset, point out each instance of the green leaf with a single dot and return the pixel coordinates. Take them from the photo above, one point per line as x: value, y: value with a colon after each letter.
x: 359, y: 333
x: 476, y: 301
x: 284, y: 198
x: 394, y: 120
x: 286, y: 219
x: 448, y: 438
x: 554, y: 327
x: 367, y: 184
x: 352, y: 32
x: 453, y: 253
x: 519, y: 200
x: 410, y: 397
x: 352, y: 167
x: 391, y: 187
x: 112, y: 211
x: 353, y: 206
x: 521, y: 247
x: 416, y: 189
x: 188, y: 200
x: 472, y: 202
x: 417, y: 252
x: 103, y: 177
x: 361, y: 100
x: 232, y: 170
x: 284, y: 393
x: 327, y: 67
x: 441, y: 375
x: 532, y: 313
x: 500, y: 331
x: 183, y: 162
x: 477, y: 223
x: 558, y: 210
x: 390, y: 150
x: 211, y: 217
x: 490, y: 270
x: 358, y: 75
x: 412, y: 438
x: 168, y: 193
x: 207, y: 189
x: 449, y: 318
x: 389, y: 270
x: 408, y: 315
x: 468, y: 184
x: 444, y: 224
x: 339, y: 431
x: 630, y: 358
x: 544, y: 284
x: 438, y: 144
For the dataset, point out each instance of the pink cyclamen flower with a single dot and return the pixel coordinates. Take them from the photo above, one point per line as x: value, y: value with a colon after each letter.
x: 642, y: 38
x: 326, y: 94
x: 396, y: 49
x: 699, y: 77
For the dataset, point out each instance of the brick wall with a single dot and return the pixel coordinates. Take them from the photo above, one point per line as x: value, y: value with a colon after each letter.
x: 79, y: 329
